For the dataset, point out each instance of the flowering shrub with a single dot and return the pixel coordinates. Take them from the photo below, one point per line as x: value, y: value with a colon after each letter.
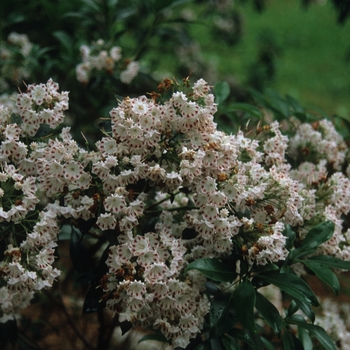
x: 190, y: 221
x: 101, y: 59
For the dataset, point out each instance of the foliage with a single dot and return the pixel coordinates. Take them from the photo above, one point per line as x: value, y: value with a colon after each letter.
x: 186, y: 208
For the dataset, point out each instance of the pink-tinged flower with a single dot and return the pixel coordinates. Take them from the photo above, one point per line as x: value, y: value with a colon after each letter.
x: 72, y: 170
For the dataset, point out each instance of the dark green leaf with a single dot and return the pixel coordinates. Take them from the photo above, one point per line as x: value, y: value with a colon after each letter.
x: 292, y: 285
x: 317, y: 331
x: 245, y: 107
x: 305, y: 339
x: 222, y: 91
x: 324, y: 273
x: 290, y: 234
x: 318, y: 235
x: 297, y: 107
x: 213, y: 269
x: 244, y: 302
x: 3, y: 247
x: 64, y: 39
x: 92, y: 300
x: 222, y: 317
x: 293, y: 307
x: 306, y: 309
x: 315, y: 237
x: 216, y: 344
x: 229, y: 343
x: 203, y: 346
x: 269, y: 312
x: 79, y: 255
x: 330, y: 261
x: 291, y: 342
x: 244, y: 335
x: 267, y: 345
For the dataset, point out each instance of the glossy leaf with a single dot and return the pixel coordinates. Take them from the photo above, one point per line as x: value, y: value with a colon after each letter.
x: 245, y: 336
x: 324, y: 273
x: 222, y: 317
x: 244, y: 303
x: 305, y: 339
x: 229, y: 343
x: 306, y: 309
x: 315, y: 237
x: 291, y: 342
x: 92, y: 300
x: 213, y: 269
x: 317, y: 331
x: 318, y: 235
x: 267, y: 345
x: 292, y: 285
x: 269, y: 312
x: 330, y: 261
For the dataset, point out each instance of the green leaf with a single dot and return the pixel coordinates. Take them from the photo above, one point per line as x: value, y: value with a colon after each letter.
x: 229, y: 343
x: 317, y: 331
x: 330, y: 261
x: 252, y: 339
x: 267, y: 345
x: 92, y: 299
x: 64, y: 39
x: 293, y: 285
x: 291, y: 342
x: 245, y: 107
x: 318, y: 235
x: 222, y: 91
x: 306, y: 309
x: 222, y: 317
x: 324, y: 273
x: 213, y: 269
x: 269, y: 312
x: 290, y: 234
x: 305, y: 339
x: 244, y: 302
x: 295, y: 104
x: 293, y: 308
x: 315, y: 237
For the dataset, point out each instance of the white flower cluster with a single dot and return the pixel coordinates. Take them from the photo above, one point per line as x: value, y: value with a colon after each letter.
x: 16, y: 44
x: 30, y: 233
x: 166, y: 188
x: 98, y: 58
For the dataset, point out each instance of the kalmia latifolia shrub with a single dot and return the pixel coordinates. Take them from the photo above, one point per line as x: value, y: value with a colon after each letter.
x: 192, y: 222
